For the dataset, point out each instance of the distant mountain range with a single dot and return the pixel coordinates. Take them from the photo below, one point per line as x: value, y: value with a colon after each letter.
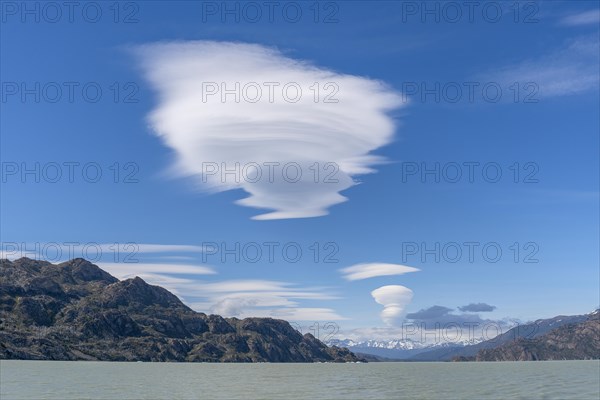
x: 77, y: 311
x: 562, y: 337
x: 399, y: 349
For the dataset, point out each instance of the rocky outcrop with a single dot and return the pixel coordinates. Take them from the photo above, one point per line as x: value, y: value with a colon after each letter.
x: 578, y: 341
x: 77, y: 311
x: 528, y: 330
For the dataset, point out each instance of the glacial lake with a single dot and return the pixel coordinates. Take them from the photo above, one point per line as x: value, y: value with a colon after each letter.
x: 495, y: 380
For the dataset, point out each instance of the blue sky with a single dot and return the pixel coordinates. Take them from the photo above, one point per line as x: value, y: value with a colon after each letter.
x: 397, y: 69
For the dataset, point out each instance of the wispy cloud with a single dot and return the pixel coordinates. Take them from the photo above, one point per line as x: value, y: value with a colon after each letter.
x: 371, y: 270
x: 569, y: 70
x: 304, y: 314
x: 335, y: 129
x: 583, y: 18
x: 166, y: 248
x: 394, y: 299
x: 246, y: 298
x: 272, y: 306
x: 130, y: 270
x: 243, y: 285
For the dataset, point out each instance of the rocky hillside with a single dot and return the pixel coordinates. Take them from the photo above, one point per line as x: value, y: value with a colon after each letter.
x: 524, y: 331
x: 77, y: 311
x: 578, y: 341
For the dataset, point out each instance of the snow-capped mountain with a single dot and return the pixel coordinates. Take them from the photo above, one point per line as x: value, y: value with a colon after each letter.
x: 398, y: 344
x: 396, y: 348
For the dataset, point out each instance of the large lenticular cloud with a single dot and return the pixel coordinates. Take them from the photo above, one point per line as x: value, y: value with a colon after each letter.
x: 293, y: 134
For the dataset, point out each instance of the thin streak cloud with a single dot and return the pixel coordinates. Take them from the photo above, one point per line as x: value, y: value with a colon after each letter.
x: 130, y: 270
x: 589, y: 17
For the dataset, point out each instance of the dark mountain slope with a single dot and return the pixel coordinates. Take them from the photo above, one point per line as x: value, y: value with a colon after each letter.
x: 77, y: 311
x: 526, y: 331
x: 577, y: 341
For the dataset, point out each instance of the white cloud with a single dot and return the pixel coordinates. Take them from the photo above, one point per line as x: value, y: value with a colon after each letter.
x: 569, y: 70
x: 129, y: 270
x: 203, y: 129
x: 270, y: 305
x: 174, y: 258
x: 305, y: 314
x: 394, y: 299
x: 238, y: 298
x: 165, y: 248
x: 371, y: 270
x: 583, y: 18
x: 242, y: 285
x: 258, y: 298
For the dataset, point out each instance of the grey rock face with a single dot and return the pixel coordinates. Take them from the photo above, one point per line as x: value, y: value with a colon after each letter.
x: 77, y: 311
x: 577, y: 341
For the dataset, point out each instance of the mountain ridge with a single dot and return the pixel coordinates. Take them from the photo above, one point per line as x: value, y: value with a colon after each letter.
x: 77, y: 311
x: 572, y: 341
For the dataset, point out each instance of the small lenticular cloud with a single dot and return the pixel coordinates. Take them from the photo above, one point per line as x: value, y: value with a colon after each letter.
x: 244, y: 116
x: 372, y: 270
x: 394, y: 299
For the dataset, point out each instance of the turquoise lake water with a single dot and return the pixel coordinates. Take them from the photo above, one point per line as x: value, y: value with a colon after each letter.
x: 103, y: 380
